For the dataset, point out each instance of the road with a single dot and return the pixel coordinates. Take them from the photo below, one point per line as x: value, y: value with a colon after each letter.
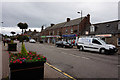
x: 78, y: 64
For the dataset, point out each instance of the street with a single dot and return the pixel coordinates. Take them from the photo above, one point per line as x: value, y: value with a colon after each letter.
x: 78, y: 64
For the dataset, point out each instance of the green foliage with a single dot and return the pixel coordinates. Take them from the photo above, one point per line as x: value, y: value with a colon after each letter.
x: 23, y: 37
x: 23, y: 50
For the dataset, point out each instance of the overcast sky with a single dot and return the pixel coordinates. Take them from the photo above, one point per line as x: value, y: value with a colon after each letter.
x: 36, y: 13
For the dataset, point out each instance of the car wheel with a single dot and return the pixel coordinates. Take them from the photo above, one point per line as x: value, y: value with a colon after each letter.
x: 81, y: 48
x: 102, y: 51
x: 64, y: 47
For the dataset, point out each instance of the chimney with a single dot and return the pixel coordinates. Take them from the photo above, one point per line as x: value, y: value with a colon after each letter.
x: 42, y: 28
x: 34, y: 30
x: 29, y: 30
x: 68, y: 19
x: 52, y: 25
x: 88, y: 17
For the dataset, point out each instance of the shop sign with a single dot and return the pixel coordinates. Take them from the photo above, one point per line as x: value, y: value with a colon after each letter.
x: 73, y: 35
x: 53, y: 36
x: 43, y: 36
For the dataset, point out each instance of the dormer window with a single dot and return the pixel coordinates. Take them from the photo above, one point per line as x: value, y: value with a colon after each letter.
x: 92, y: 28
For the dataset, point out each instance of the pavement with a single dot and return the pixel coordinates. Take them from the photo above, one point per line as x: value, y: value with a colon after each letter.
x: 50, y: 72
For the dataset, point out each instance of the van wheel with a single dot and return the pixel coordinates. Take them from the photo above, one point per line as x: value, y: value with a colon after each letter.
x: 102, y: 51
x: 81, y: 48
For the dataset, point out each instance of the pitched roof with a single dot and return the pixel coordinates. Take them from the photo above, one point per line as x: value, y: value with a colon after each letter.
x: 65, y: 24
x: 107, y: 27
x: 73, y: 22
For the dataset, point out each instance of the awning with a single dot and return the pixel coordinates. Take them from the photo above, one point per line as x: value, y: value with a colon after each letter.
x: 104, y: 35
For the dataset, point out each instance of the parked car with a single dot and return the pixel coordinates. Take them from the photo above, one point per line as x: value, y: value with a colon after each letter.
x: 64, y: 44
x: 96, y: 44
x: 32, y: 41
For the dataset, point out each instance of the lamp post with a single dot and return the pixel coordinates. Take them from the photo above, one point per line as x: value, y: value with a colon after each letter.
x: 80, y: 21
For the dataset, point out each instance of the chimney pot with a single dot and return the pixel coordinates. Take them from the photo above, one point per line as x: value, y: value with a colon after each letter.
x: 68, y: 19
x: 52, y: 25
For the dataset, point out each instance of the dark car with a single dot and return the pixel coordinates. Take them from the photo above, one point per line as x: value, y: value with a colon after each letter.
x: 64, y: 44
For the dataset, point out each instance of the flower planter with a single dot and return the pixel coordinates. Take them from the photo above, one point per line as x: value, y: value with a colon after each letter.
x: 12, y: 46
x: 27, y: 71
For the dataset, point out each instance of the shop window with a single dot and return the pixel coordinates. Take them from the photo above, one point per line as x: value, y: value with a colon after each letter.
x: 118, y: 41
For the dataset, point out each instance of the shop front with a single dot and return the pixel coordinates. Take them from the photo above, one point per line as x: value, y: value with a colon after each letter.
x: 52, y: 39
x: 42, y: 39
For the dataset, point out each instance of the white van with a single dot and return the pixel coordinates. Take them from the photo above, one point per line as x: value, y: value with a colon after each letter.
x: 95, y: 44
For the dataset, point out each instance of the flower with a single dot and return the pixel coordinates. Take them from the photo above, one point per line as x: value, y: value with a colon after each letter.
x: 20, y: 62
x: 20, y: 58
x: 38, y: 58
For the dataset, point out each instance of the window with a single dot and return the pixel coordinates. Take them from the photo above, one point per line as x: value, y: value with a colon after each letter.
x: 119, y: 26
x: 49, y: 32
x: 58, y: 32
x: 66, y: 31
x: 71, y: 30
x: 92, y: 28
x: 118, y: 41
x: 53, y: 32
x: 96, y: 42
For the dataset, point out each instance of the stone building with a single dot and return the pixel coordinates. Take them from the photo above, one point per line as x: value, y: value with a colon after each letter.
x: 108, y: 31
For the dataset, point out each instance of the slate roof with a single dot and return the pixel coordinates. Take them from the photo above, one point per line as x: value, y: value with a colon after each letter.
x: 106, y: 27
x: 65, y: 24
x: 73, y: 22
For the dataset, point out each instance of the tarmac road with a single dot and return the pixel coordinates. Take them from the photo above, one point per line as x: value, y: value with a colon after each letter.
x: 78, y: 64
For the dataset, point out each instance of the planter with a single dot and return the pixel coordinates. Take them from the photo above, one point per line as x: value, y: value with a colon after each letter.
x: 27, y: 71
x: 12, y: 46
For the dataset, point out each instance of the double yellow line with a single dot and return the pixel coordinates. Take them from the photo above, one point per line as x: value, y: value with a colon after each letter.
x: 61, y: 71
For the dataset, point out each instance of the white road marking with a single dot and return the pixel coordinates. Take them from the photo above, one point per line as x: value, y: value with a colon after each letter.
x: 85, y: 58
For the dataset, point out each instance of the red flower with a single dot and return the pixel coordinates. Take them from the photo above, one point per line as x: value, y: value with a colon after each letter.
x: 10, y: 61
x: 39, y: 58
x: 23, y: 58
x: 43, y: 56
x: 30, y: 53
x: 14, y: 61
x: 30, y: 59
x: 20, y: 62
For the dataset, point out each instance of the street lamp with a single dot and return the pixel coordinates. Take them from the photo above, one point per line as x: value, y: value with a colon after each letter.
x: 80, y: 21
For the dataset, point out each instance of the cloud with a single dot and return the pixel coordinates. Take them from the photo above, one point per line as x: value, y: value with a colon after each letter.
x: 36, y: 14
x: 8, y: 30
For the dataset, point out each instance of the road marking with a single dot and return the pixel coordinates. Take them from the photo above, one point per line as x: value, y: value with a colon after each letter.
x: 85, y: 58
x: 74, y: 55
x: 61, y: 71
x: 63, y: 52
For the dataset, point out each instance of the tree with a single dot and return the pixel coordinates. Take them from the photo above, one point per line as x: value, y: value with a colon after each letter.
x: 13, y: 33
x: 22, y: 26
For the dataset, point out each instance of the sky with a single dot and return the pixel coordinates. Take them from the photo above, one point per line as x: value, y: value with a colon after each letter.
x: 44, y: 12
